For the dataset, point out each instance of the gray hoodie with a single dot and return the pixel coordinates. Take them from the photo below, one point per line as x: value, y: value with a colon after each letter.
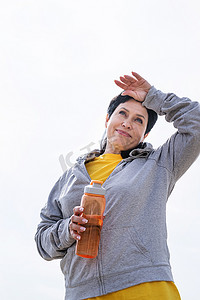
x: 133, y: 247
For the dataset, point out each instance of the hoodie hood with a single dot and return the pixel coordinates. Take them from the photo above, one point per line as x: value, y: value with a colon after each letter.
x: 142, y: 150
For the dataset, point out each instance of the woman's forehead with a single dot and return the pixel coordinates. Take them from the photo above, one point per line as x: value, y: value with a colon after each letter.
x: 133, y: 106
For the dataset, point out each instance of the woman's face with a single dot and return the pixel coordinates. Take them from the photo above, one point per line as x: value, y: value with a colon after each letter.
x: 126, y: 127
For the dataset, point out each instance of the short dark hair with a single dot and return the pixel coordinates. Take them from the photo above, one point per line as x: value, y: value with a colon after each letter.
x: 152, y: 115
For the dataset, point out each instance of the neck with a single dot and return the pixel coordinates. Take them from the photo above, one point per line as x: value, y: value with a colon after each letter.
x: 111, y: 149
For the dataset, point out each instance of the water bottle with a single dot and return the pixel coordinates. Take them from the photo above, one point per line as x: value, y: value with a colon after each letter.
x: 93, y: 201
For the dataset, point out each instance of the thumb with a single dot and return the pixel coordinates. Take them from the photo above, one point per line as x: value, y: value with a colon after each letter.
x: 128, y: 93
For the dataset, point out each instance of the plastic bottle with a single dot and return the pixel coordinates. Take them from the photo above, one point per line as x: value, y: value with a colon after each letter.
x: 93, y: 201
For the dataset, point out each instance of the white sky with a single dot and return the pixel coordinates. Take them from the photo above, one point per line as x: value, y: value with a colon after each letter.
x: 58, y: 60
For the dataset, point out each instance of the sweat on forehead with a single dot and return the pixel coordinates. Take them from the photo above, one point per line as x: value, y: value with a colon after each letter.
x: 116, y: 101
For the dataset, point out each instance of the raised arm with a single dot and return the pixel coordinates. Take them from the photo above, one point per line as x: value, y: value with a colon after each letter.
x: 182, y: 148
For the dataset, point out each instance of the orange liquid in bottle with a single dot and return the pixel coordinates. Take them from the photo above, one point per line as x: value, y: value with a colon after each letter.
x: 94, y: 206
x: 89, y: 243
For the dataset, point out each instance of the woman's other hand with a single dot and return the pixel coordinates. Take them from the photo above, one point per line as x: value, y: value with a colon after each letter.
x: 134, y: 86
x: 77, y: 221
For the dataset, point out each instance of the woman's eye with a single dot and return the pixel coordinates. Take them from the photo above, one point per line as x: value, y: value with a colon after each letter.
x: 139, y: 120
x: 121, y: 112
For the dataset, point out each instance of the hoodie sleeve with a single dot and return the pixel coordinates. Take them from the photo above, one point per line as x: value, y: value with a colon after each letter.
x: 182, y: 149
x: 53, y: 237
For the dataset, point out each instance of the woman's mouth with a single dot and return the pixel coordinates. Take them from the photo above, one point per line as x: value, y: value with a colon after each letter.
x: 124, y: 133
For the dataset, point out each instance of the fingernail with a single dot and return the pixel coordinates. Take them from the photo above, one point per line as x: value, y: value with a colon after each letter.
x: 82, y: 228
x: 85, y: 221
x: 78, y: 237
x: 81, y: 209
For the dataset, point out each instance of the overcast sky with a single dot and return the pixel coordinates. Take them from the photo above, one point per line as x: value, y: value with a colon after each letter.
x: 58, y: 62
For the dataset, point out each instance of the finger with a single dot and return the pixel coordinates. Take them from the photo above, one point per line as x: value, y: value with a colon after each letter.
x: 77, y: 228
x: 120, y: 84
x: 78, y: 210
x: 75, y: 235
x: 137, y: 75
x: 124, y: 80
x: 130, y: 78
x: 77, y: 219
x: 129, y: 93
x: 125, y: 93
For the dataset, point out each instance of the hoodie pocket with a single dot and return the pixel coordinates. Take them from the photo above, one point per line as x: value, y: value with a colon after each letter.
x: 123, y: 250
x: 77, y: 270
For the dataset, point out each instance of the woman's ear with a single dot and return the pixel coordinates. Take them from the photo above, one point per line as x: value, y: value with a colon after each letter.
x: 107, y: 119
x: 142, y: 139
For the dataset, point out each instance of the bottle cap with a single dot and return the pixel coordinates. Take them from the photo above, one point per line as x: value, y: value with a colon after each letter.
x: 95, y: 188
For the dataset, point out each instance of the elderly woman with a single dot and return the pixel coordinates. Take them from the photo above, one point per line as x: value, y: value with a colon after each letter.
x: 133, y: 258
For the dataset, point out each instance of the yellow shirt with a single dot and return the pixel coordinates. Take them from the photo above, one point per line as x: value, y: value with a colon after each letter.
x: 102, y: 166
x: 99, y: 169
x: 156, y: 290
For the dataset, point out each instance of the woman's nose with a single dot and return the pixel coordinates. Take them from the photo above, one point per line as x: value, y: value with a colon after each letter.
x: 126, y: 124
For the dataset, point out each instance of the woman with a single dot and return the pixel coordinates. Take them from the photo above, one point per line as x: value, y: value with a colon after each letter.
x: 133, y: 259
